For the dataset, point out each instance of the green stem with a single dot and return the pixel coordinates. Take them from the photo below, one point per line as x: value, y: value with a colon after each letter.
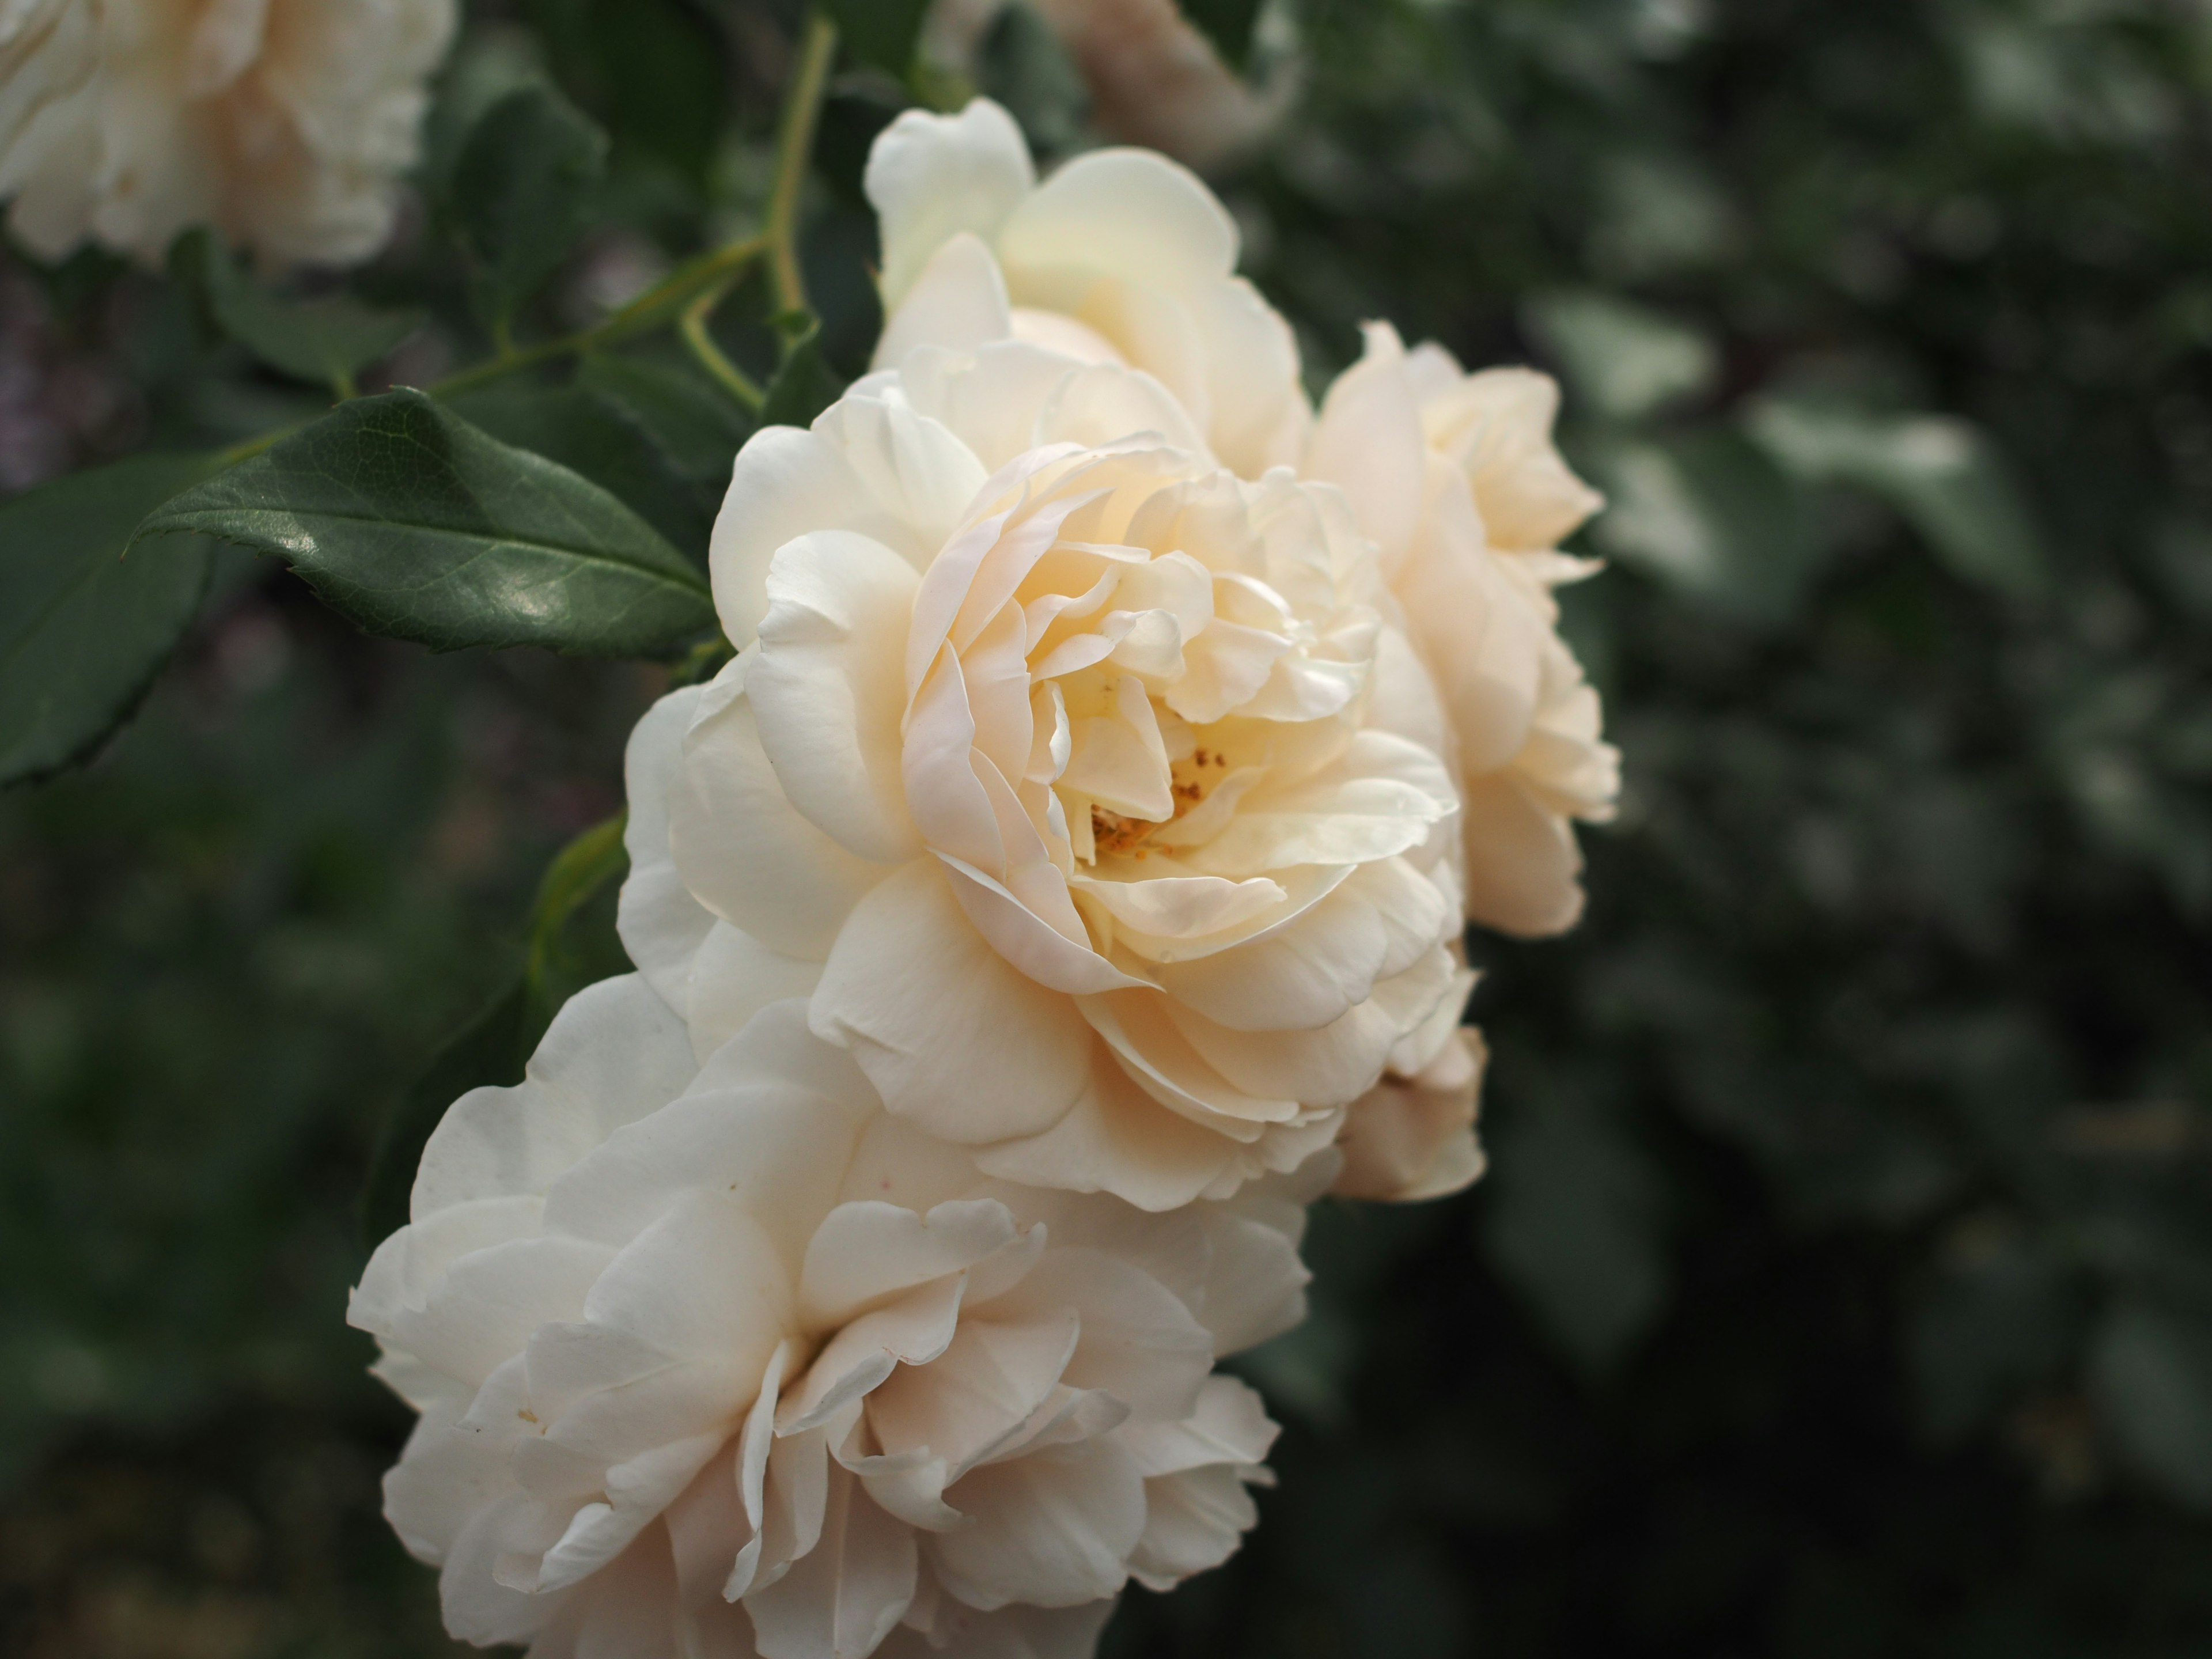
x: 726, y: 374
x: 710, y: 272
x: 794, y: 143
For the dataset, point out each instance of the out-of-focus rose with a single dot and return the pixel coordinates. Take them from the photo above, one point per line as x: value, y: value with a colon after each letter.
x: 283, y: 123
x: 1455, y: 476
x: 727, y: 1361
x: 1153, y: 79
x: 1120, y: 257
x: 1070, y: 775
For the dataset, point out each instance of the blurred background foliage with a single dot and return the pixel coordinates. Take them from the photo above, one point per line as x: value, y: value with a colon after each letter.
x: 1844, y: 1281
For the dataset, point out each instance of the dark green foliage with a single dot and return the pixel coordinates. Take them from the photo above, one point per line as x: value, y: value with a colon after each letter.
x: 1022, y: 64
x: 658, y: 439
x: 878, y: 33
x: 655, y: 72
x: 1228, y: 23
x: 327, y: 341
x: 525, y: 190
x: 1839, y: 1286
x: 83, y: 629
x: 805, y: 384
x: 415, y: 525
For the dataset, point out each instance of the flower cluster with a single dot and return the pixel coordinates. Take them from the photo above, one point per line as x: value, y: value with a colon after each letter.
x: 284, y: 124
x: 1063, y: 884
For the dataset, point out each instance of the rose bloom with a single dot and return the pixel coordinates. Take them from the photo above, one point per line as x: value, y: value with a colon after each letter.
x: 284, y: 124
x: 1068, y: 774
x: 1153, y: 79
x: 726, y: 1360
x: 1457, y: 479
x: 1120, y: 257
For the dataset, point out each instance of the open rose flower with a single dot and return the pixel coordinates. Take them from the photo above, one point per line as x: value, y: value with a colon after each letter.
x: 284, y: 124
x: 726, y: 1361
x: 1120, y: 257
x: 1066, y: 769
x: 1455, y: 476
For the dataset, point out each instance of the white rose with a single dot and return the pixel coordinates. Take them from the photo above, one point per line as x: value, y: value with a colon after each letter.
x: 1120, y: 257
x: 734, y: 1363
x: 284, y: 124
x: 1061, y: 757
x: 1455, y: 476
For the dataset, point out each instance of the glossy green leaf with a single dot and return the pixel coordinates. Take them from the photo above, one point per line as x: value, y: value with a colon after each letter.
x: 1943, y: 475
x: 328, y: 340
x: 805, y: 384
x: 882, y: 32
x: 83, y: 630
x: 415, y: 525
x: 525, y: 188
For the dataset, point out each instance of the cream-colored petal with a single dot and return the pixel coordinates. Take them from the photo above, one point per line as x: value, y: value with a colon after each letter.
x: 1523, y: 868
x: 1368, y: 442
x: 916, y: 994
x: 958, y: 301
x: 743, y: 849
x: 843, y: 1597
x: 828, y: 692
x: 931, y: 177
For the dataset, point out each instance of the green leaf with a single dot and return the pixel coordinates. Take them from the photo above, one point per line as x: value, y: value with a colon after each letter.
x: 1710, y: 515
x: 1576, y: 1222
x: 1625, y: 361
x: 415, y: 525
x: 694, y: 423
x: 1944, y: 477
x: 570, y: 947
x: 525, y: 188
x: 2150, y: 1378
x: 83, y: 630
x: 327, y: 340
x: 1023, y: 65
x: 805, y: 384
x: 879, y: 32
x: 1230, y: 24
x: 658, y: 439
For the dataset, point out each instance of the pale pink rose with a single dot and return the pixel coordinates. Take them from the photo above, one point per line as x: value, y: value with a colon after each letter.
x: 722, y: 1361
x: 285, y: 125
x: 1078, y: 783
x: 1120, y: 257
x: 1455, y: 476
